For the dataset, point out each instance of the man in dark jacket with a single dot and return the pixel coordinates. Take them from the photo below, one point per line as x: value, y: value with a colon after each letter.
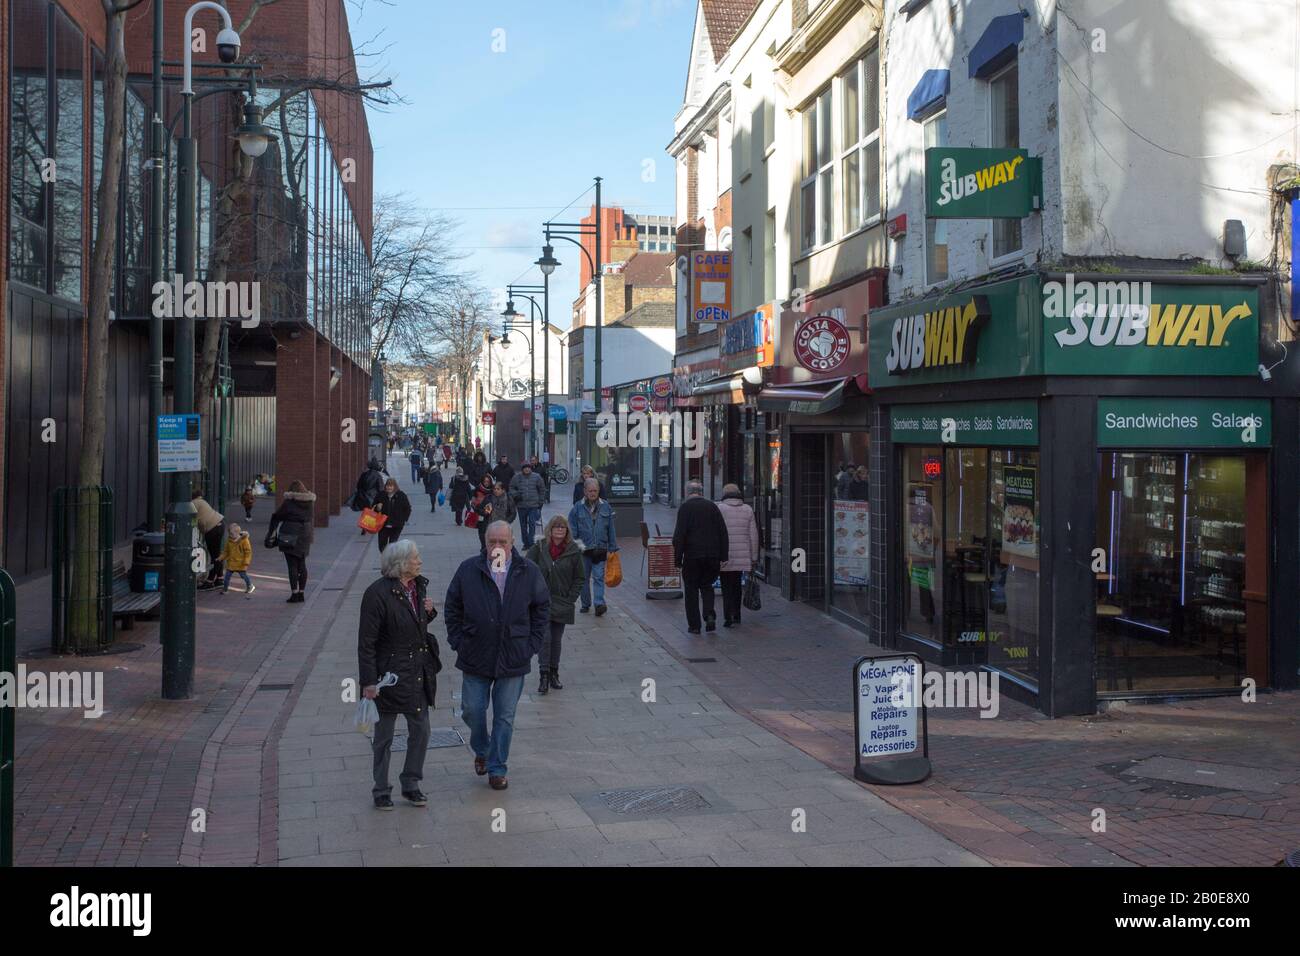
x: 504, y: 472
x: 699, y: 548
x: 394, y: 638
x: 369, y: 486
x: 394, y: 503
x: 529, y: 494
x: 498, y: 612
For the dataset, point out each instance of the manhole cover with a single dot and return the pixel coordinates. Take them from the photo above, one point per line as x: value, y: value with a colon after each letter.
x: 437, y: 739
x: 1221, y: 775
x: 654, y: 800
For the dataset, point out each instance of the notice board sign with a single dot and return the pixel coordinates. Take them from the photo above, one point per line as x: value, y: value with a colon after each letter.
x: 663, y: 578
x: 178, y: 444
x: 889, y: 721
x: 711, y: 287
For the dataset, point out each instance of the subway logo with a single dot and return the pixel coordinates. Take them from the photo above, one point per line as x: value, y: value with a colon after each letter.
x: 943, y: 337
x: 1174, y: 325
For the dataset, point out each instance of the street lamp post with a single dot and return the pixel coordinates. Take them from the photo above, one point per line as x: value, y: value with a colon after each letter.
x: 523, y: 291
x: 563, y: 230
x: 506, y: 327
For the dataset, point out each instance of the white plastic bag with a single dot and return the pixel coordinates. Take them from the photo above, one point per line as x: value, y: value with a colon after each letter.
x: 367, y: 714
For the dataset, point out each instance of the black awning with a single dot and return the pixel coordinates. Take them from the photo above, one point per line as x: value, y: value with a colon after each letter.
x: 814, y: 398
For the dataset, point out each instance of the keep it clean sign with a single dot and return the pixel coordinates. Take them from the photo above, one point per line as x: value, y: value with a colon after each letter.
x: 178, y: 444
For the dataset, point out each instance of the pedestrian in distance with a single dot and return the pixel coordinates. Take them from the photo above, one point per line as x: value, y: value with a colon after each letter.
x: 370, y: 485
x: 560, y: 560
x: 498, y: 506
x: 498, y: 613
x: 212, y: 528
x: 478, y: 468
x: 432, y: 485
x: 503, y: 471
x: 237, y: 558
x: 592, y: 522
x: 417, y: 461
x: 529, y: 494
x: 700, y: 545
x: 580, y: 486
x: 394, y: 637
x: 248, y: 499
x: 460, y: 491
x: 394, y: 503
x: 742, y: 550
x: 291, y: 531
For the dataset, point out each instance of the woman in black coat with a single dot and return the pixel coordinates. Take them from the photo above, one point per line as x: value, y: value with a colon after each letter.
x: 393, y: 637
x: 498, y: 506
x: 459, y: 497
x: 394, y: 503
x: 291, y: 531
x: 433, y: 485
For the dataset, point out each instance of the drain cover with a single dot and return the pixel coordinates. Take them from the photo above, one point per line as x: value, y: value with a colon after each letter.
x: 701, y: 660
x: 437, y: 739
x: 640, y: 800
x: 1221, y: 775
x: 275, y: 687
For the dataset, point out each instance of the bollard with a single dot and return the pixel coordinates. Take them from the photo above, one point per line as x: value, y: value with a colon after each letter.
x: 178, y: 601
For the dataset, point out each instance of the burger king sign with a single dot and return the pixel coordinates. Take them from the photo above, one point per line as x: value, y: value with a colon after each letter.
x: 821, y: 344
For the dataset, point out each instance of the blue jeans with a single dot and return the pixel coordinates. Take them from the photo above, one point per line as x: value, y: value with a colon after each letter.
x: 243, y: 574
x: 504, y: 693
x: 528, y: 518
x: 594, y: 577
x: 415, y: 473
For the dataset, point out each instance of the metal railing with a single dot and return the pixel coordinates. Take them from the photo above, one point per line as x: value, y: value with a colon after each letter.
x: 82, y: 580
x: 8, y: 665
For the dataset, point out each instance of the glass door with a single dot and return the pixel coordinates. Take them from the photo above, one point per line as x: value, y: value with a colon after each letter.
x: 967, y: 570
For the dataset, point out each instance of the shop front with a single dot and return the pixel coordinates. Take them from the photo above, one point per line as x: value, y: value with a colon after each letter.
x: 1085, y: 499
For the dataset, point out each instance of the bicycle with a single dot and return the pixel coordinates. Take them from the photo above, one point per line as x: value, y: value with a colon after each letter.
x: 560, y: 476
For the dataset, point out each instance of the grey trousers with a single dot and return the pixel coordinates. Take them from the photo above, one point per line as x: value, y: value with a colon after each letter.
x: 549, y: 656
x: 417, y: 745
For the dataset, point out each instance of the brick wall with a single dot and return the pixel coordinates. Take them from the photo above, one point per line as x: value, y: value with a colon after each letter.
x: 295, y: 411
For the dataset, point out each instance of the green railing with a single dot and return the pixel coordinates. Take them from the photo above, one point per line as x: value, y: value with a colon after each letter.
x: 8, y: 665
x: 82, y: 581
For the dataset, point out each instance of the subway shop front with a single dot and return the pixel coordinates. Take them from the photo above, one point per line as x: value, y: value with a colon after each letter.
x: 1090, y: 487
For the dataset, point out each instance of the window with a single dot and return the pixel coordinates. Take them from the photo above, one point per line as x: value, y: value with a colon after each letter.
x: 935, y: 131
x: 860, y: 136
x: 1004, y: 120
x: 744, y: 138
x: 817, y: 187
x: 28, y: 142
x: 769, y: 124
x: 769, y: 256
x: 69, y: 137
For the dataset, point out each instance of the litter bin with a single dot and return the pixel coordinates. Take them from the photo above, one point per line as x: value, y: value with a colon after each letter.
x: 147, y: 555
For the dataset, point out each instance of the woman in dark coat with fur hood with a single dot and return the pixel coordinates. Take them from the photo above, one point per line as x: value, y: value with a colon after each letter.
x: 292, y: 531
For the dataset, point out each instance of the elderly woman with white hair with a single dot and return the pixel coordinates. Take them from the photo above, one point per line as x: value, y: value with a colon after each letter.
x: 394, y: 637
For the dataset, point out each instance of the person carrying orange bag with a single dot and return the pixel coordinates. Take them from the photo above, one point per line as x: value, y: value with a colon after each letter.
x: 371, y: 521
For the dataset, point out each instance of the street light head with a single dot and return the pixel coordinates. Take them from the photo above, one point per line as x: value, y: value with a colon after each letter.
x: 547, y: 263
x: 254, y: 137
x: 228, y: 45
x: 505, y: 341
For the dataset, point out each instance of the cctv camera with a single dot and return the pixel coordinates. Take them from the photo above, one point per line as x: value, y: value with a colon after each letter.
x: 1264, y: 373
x: 228, y: 46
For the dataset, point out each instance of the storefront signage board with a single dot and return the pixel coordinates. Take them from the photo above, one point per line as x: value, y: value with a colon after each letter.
x: 998, y: 424
x: 992, y: 331
x: 1142, y: 328
x: 663, y: 578
x: 966, y: 183
x: 889, y: 720
x: 851, y: 533
x: 748, y: 341
x: 711, y: 287
x: 1019, y: 517
x: 1184, y: 423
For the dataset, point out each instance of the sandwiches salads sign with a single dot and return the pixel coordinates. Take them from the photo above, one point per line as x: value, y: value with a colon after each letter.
x: 963, y: 183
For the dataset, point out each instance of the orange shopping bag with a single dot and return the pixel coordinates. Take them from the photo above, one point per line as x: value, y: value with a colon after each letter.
x: 613, y: 570
x: 371, y: 520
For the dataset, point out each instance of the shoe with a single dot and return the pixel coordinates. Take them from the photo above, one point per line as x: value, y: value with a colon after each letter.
x: 692, y: 630
x: 729, y: 622
x: 415, y: 798
x: 251, y: 589
x: 555, y: 679
x: 497, y: 783
x: 583, y: 610
x: 480, y: 765
x: 544, y: 684
x: 710, y: 623
x: 383, y: 802
x: 293, y: 598
x: 224, y: 590
x: 600, y: 609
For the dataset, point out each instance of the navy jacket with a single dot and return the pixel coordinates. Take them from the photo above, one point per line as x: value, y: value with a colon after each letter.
x: 493, y: 637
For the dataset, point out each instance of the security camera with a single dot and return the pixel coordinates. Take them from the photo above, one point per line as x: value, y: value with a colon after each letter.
x: 228, y: 46
x: 1264, y: 373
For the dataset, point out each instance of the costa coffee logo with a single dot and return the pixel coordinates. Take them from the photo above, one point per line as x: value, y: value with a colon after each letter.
x: 822, y: 344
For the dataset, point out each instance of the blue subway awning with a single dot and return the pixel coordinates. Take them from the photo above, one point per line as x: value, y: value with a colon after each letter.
x: 996, y: 47
x: 929, y: 95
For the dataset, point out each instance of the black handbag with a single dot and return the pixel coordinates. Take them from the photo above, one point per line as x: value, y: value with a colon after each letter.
x: 272, y: 536
x: 752, y: 601
x: 286, y: 538
x: 596, y: 555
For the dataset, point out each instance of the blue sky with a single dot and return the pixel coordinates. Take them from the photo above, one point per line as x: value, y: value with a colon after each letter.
x: 581, y: 89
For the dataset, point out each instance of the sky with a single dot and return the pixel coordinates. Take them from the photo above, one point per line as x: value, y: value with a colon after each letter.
x: 513, y: 106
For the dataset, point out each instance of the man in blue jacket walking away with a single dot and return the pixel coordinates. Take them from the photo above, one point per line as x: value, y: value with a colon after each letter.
x: 498, y: 613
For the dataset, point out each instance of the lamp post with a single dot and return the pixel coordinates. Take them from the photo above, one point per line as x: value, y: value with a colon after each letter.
x: 563, y: 230
x: 532, y: 373
x: 547, y: 263
x: 523, y: 292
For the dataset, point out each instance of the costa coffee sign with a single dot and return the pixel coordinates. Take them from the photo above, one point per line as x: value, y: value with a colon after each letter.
x: 822, y: 344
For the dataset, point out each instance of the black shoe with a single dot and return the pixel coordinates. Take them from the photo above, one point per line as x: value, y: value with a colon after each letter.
x: 415, y: 798
x: 383, y: 802
x: 555, y: 679
x: 583, y: 610
x: 729, y: 622
x: 544, y: 683
x: 600, y: 609
x: 692, y: 630
x: 711, y: 625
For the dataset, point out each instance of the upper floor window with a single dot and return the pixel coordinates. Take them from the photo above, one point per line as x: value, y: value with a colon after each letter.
x: 1004, y: 132
x: 936, y: 230
x: 860, y: 136
x: 817, y: 186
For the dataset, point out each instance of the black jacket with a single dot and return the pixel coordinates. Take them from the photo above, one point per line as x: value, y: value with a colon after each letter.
x: 493, y: 637
x: 370, y: 486
x: 392, y: 637
x: 504, y: 473
x: 700, y: 533
x: 398, y: 508
x: 433, y: 481
x: 460, y: 489
x: 295, y: 521
x: 564, y: 576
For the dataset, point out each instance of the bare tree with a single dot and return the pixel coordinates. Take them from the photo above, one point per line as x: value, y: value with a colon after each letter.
x: 454, y: 331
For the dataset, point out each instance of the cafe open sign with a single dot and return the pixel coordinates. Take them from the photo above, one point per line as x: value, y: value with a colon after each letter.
x: 711, y: 286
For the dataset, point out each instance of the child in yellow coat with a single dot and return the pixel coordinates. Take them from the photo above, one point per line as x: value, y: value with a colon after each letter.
x: 237, y: 557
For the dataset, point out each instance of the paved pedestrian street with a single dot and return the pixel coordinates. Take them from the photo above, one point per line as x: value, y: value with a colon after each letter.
x: 752, y: 798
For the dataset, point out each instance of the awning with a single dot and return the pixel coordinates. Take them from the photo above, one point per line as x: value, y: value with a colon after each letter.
x: 997, y: 45
x: 722, y: 390
x: 814, y: 398
x: 929, y: 95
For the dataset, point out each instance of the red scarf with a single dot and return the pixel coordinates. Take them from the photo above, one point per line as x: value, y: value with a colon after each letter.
x: 556, y: 551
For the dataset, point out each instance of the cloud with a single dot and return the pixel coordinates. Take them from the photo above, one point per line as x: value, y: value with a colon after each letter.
x: 516, y: 233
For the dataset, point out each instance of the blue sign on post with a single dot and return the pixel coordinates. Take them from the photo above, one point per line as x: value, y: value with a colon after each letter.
x: 178, y: 444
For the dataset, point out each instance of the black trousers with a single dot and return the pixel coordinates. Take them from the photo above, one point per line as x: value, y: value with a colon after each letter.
x: 214, y: 540
x: 297, y: 571
x: 698, y: 575
x: 387, y: 536
x: 433, y: 501
x: 731, y: 595
x: 458, y: 511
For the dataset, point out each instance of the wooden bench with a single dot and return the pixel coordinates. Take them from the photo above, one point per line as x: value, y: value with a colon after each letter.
x: 128, y: 604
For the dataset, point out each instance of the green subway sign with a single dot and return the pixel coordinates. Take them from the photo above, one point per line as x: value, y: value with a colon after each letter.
x: 1184, y: 423
x: 1142, y: 328
x: 1001, y: 423
x: 963, y: 183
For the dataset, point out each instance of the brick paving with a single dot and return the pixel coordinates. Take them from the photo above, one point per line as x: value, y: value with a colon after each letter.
x: 1018, y: 789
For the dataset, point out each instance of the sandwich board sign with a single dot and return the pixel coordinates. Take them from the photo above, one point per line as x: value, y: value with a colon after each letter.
x: 889, y: 722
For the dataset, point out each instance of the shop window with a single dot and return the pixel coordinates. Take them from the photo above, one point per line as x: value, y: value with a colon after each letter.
x: 1172, y: 608
x: 922, y: 488
x: 850, y: 524
x: 1004, y: 131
